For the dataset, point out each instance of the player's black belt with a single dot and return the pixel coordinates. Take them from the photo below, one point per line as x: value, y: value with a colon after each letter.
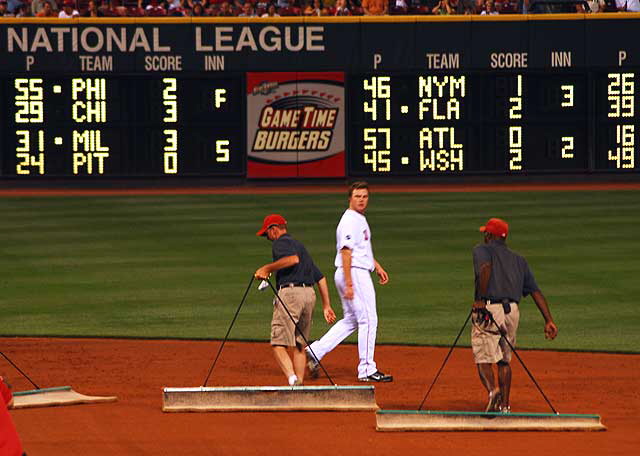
x: 506, y: 303
x: 293, y: 284
x: 500, y: 301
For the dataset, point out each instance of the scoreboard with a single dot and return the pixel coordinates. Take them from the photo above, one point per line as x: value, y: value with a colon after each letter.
x: 422, y: 96
x: 492, y: 122
x: 126, y: 126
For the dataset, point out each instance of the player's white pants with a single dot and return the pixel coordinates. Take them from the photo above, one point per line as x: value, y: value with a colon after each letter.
x: 358, y: 313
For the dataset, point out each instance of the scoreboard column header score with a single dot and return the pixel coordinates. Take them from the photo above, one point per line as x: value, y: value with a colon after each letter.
x: 476, y: 95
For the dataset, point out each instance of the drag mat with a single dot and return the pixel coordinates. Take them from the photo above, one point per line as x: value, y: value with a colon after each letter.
x: 55, y: 396
x: 136, y: 371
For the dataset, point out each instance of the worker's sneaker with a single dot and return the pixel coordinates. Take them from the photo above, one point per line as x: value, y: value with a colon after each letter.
x: 377, y: 377
x: 313, y: 365
x: 506, y: 409
x: 494, y: 402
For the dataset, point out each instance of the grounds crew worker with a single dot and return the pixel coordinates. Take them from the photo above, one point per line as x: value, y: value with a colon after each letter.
x: 296, y: 275
x: 502, y: 278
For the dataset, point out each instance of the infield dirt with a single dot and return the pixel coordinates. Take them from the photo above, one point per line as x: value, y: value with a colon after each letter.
x: 137, y: 370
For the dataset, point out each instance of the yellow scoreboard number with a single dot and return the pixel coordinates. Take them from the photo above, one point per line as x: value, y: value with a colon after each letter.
x: 621, y: 91
x: 29, y: 102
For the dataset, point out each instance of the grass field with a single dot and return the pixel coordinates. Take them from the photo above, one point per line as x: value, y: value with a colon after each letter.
x: 177, y: 266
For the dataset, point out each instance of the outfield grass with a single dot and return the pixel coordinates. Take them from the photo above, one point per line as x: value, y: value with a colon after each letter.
x: 177, y: 266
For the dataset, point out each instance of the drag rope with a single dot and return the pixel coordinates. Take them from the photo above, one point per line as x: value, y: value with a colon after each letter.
x: 275, y: 292
x: 19, y: 370
x: 246, y: 292
x: 445, y: 361
x: 523, y: 365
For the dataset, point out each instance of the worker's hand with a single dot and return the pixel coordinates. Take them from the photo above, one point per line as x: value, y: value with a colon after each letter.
x: 479, y: 304
x: 481, y: 317
x: 550, y: 330
x: 329, y: 315
x: 262, y: 273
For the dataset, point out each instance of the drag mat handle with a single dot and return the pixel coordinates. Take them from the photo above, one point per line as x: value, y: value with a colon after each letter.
x: 19, y: 370
x: 246, y: 292
x: 445, y: 361
x: 275, y: 292
x: 504, y: 336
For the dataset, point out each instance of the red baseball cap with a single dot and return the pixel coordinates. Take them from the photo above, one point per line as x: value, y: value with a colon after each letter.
x: 269, y: 221
x: 496, y: 226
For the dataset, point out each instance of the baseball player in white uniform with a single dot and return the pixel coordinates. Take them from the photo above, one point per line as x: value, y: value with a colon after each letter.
x: 354, y: 263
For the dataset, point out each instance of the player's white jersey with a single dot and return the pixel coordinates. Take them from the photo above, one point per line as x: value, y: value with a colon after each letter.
x: 353, y: 232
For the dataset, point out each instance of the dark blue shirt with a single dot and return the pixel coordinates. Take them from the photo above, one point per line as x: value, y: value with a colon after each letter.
x: 510, y: 278
x: 305, y: 272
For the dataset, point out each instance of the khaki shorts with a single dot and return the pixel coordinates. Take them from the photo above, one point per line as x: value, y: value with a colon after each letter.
x: 300, y: 301
x: 487, y: 344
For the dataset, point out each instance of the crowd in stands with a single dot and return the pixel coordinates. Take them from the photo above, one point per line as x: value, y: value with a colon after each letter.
x: 276, y: 8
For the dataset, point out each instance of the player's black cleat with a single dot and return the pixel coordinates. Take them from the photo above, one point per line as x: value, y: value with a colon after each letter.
x: 313, y: 365
x: 377, y: 377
